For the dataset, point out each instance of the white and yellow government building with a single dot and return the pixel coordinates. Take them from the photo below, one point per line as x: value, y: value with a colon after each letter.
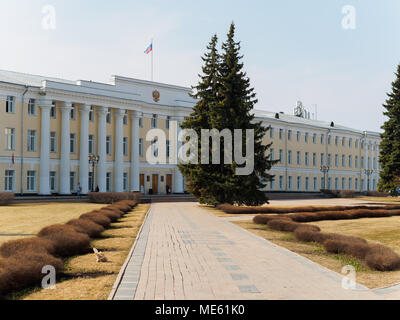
x: 50, y: 128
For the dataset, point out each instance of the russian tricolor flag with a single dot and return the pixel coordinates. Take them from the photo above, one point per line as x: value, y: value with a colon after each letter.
x: 149, y: 48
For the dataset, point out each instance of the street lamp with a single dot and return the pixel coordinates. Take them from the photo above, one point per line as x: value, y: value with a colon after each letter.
x: 325, y: 171
x: 368, y: 173
x: 93, y: 161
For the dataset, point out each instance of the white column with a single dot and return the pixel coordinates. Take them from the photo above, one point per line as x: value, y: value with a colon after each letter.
x: 65, y: 166
x: 101, y: 148
x: 135, y: 160
x: 45, y: 107
x: 84, y: 149
x: 119, y: 150
x: 179, y: 188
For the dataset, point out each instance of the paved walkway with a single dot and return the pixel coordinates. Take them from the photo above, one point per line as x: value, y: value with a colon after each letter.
x: 185, y: 252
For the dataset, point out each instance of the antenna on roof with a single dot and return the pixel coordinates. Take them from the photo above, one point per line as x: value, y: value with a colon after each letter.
x: 316, y: 111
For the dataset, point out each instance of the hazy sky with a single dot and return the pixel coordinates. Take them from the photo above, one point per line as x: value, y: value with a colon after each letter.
x: 293, y: 50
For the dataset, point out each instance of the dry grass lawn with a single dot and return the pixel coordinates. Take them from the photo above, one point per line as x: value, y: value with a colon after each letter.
x: 380, y: 199
x: 379, y: 230
x: 84, y: 279
x: 25, y: 220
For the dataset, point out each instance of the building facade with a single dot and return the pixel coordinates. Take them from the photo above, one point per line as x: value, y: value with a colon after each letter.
x: 50, y: 128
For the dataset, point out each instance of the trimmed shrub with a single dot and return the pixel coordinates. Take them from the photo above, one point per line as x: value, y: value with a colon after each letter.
x: 87, y: 226
x: 377, y: 194
x: 121, y: 206
x: 283, y: 225
x: 382, y: 258
x: 25, y: 269
x: 27, y: 245
x: 264, y: 219
x: 335, y: 246
x: 6, y: 198
x: 98, y: 218
x: 67, y: 241
x: 112, y: 215
x: 114, y: 209
x: 111, y: 197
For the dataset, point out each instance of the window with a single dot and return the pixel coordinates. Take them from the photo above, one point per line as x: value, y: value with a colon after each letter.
x: 271, y: 133
x: 290, y: 186
x: 9, y: 180
x: 281, y: 156
x: 10, y: 138
x: 356, y: 162
x: 91, y: 144
x: 125, y: 119
x: 350, y: 143
x: 356, y: 145
x: 125, y: 146
x: 322, y: 159
x: 329, y: 140
x: 31, y: 140
x: 53, y: 111
x: 108, y: 116
x: 141, y: 122
x: 168, y: 147
x: 72, y: 181
x: 343, y: 141
x: 306, y: 137
x: 289, y: 157
x: 108, y: 181
x: 154, y: 147
x: 369, y: 163
x: 314, y: 159
x: 72, y: 143
x: 350, y: 183
x: 329, y: 183
x: 356, y: 184
x: 322, y: 138
x: 343, y: 160
x: 167, y: 123
x: 125, y: 181
x: 140, y: 147
x: 32, y: 107
x: 374, y: 164
x: 329, y: 160
x: 336, y: 141
x: 53, y: 181
x: 315, y: 183
x: 298, y: 183
x: 289, y: 135
x: 336, y: 183
x: 343, y: 184
x: 31, y: 181
x: 72, y: 114
x: 91, y: 113
x: 350, y: 161
x: 154, y: 121
x: 280, y: 134
x: 362, y: 162
x: 307, y: 160
x: 298, y: 157
x: 272, y: 184
x: 336, y: 160
x: 10, y: 104
x: 108, y: 145
x: 322, y: 183
x: 298, y: 136
x: 281, y: 182
x: 53, y: 142
x: 314, y: 138
x: 307, y: 183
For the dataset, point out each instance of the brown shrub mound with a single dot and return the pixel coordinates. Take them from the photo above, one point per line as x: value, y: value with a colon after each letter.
x: 114, y: 209
x: 289, y: 226
x: 28, y: 245
x: 6, y: 198
x: 264, y: 218
x: 112, y: 215
x: 67, y: 241
x: 121, y: 206
x: 87, y: 226
x: 382, y: 258
x: 22, y: 270
x: 98, y: 218
x: 112, y: 197
x: 131, y: 203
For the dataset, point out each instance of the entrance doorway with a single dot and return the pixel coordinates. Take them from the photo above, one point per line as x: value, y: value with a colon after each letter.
x: 155, y: 183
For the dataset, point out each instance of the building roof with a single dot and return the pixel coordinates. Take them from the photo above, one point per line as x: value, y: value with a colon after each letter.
x: 28, y: 79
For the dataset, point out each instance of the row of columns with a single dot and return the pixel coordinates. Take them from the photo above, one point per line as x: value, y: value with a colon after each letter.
x: 65, y: 165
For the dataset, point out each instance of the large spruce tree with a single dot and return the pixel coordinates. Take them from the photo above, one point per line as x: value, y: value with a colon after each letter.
x: 226, y: 101
x: 390, y: 145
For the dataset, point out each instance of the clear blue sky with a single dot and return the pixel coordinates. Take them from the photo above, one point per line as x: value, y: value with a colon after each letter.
x: 293, y: 50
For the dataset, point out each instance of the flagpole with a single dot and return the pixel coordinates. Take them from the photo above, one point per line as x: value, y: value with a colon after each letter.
x: 152, y: 62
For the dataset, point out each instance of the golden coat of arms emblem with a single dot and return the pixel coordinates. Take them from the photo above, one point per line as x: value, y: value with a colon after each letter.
x: 156, y: 96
